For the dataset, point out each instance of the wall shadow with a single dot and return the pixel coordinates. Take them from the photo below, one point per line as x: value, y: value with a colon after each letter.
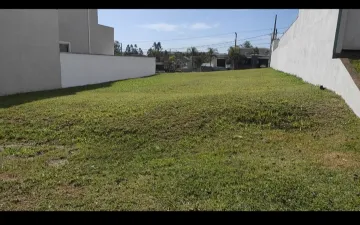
x: 21, y: 98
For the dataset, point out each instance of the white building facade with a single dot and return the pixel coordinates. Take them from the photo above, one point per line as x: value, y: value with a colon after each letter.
x: 36, y: 45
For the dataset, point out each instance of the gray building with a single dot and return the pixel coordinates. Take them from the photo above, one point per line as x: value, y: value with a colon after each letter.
x: 79, y: 32
x: 31, y: 41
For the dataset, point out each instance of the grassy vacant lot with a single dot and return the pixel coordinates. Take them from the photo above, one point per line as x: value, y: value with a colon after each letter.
x: 234, y: 140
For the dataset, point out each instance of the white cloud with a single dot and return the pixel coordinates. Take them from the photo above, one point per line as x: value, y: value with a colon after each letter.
x: 184, y: 25
x: 202, y: 26
x: 161, y: 26
x: 174, y: 27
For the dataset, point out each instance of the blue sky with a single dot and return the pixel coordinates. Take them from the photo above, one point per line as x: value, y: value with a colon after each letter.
x: 202, y: 28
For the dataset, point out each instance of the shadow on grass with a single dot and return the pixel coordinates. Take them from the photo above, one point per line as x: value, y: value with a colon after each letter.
x: 21, y: 98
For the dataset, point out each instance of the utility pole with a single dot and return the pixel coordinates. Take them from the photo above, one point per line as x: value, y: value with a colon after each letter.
x: 235, y: 38
x: 120, y: 48
x: 272, y: 39
x: 234, y: 50
x: 88, y: 23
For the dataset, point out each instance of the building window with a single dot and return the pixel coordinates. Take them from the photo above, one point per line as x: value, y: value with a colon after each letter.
x: 64, y: 46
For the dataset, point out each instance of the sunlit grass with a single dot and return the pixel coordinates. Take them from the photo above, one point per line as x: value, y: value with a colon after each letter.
x: 233, y: 140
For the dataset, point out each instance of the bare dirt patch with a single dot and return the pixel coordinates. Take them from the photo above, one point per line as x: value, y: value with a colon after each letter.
x: 57, y: 162
x: 69, y: 190
x: 340, y: 160
x: 7, y: 177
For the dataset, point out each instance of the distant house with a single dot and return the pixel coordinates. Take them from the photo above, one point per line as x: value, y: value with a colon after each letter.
x: 219, y: 60
x: 256, y: 60
x: 253, y: 60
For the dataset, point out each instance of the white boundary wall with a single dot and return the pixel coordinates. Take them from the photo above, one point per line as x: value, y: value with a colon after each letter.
x: 83, y: 69
x: 306, y: 49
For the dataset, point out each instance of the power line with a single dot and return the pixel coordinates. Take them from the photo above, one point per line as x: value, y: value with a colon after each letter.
x: 222, y: 43
x: 199, y: 46
x: 178, y: 39
x: 229, y: 45
x: 215, y: 35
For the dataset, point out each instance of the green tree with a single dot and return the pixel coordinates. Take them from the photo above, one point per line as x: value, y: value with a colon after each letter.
x: 117, y: 48
x: 133, y: 50
x: 155, y: 50
x: 172, y: 59
x: 172, y: 62
x: 192, y: 51
x: 157, y: 46
x: 247, y: 44
x: 180, y: 60
x: 150, y: 52
x: 212, y: 53
x: 127, y: 50
x: 235, y: 56
x: 202, y: 57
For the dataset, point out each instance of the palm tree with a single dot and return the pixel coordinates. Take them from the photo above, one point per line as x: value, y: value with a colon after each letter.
x: 192, y: 51
x: 157, y: 46
x: 154, y: 45
x: 151, y: 52
x: 212, y: 53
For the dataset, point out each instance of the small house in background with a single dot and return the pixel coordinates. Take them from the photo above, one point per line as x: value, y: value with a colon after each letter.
x: 220, y: 61
x: 258, y: 59
x: 253, y: 59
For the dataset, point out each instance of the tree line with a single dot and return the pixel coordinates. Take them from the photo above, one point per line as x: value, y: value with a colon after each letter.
x: 192, y: 54
x: 130, y: 50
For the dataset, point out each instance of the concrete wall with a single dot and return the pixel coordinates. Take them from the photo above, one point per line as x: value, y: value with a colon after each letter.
x: 73, y: 28
x: 352, y: 30
x: 94, y: 17
x: 81, y: 69
x: 305, y: 50
x: 102, y: 37
x: 102, y: 40
x: 29, y: 51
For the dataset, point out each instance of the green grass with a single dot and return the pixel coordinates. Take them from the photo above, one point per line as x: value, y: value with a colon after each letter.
x: 356, y: 64
x: 234, y: 140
